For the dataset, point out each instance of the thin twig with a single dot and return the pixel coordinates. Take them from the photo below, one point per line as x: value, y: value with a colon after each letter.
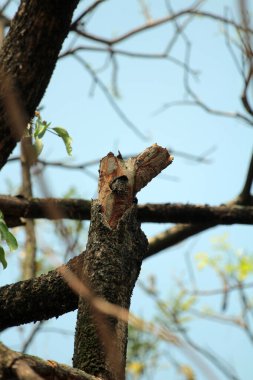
x: 162, y: 21
x: 88, y: 10
x: 115, y: 106
x: 126, y: 53
x: 31, y: 337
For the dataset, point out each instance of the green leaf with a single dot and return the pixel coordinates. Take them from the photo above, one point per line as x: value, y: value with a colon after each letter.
x: 40, y: 128
x: 245, y: 267
x: 186, y: 305
x: 61, y: 132
x: 38, y: 145
x: 8, y: 237
x: 2, y: 257
x: 71, y: 193
x: 202, y: 260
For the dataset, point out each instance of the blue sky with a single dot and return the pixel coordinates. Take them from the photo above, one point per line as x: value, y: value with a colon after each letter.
x: 144, y: 87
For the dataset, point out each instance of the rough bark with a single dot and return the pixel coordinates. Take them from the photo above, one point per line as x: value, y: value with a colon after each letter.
x: 112, y: 264
x: 115, y: 250
x: 17, y: 366
x: 49, y: 296
x: 196, y: 214
x: 28, y: 57
x: 38, y: 299
x: 15, y: 208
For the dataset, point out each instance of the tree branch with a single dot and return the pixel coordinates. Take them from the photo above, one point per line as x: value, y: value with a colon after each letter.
x: 17, y: 366
x: 28, y: 58
x: 245, y: 196
x: 40, y: 298
x: 49, y: 296
x: 115, y: 251
x: 161, y: 21
x: 173, y: 236
x: 15, y: 208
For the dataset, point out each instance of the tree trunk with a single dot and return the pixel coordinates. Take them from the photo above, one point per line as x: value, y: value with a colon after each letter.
x: 111, y: 265
x: 115, y: 250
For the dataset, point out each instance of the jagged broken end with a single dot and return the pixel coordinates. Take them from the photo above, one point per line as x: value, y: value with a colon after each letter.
x: 120, y: 180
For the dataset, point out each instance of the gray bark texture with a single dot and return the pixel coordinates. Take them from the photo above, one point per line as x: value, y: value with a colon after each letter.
x: 112, y: 264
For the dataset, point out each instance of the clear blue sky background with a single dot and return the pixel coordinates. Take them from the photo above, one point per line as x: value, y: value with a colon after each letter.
x: 145, y: 86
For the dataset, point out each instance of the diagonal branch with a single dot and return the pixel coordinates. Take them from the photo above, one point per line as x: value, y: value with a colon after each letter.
x: 22, y: 366
x: 178, y: 233
x: 40, y: 298
x: 245, y: 193
x: 162, y: 21
x: 28, y: 58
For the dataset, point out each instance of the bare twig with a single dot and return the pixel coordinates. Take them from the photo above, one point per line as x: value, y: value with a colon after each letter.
x: 31, y: 337
x: 141, y: 55
x: 220, y: 291
x: 115, y: 106
x: 87, y: 11
x: 217, y: 362
x: 162, y: 21
x: 236, y: 321
x: 201, y: 158
x: 205, y: 107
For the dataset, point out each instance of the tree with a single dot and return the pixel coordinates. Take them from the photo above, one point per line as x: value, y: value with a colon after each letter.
x: 28, y: 55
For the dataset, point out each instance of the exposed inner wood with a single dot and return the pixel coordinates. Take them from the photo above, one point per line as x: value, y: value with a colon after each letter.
x: 120, y: 180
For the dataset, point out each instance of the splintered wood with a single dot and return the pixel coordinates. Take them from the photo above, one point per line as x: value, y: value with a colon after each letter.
x: 120, y: 180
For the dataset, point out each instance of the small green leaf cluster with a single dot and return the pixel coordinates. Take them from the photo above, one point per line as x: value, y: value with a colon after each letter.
x: 8, y: 238
x: 230, y: 263
x: 175, y: 311
x: 38, y: 129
